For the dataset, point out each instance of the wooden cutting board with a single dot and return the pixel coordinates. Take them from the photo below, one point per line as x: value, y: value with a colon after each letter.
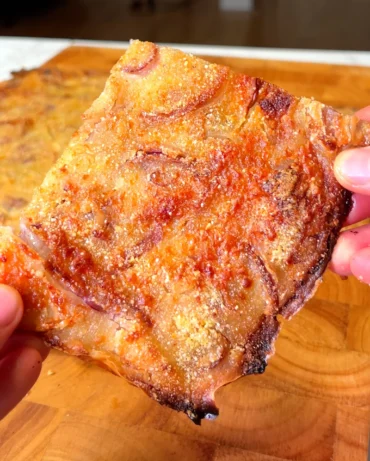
x: 312, y: 403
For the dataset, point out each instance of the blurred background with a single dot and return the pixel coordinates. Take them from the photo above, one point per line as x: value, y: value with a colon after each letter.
x: 315, y: 24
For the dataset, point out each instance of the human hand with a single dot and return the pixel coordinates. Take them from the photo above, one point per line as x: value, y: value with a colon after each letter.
x: 351, y: 254
x: 21, y: 354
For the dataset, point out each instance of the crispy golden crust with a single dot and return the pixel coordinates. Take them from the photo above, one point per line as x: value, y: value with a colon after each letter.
x: 191, y: 208
x: 39, y: 112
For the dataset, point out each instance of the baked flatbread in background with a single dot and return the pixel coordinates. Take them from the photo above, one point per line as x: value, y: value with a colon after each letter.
x: 39, y: 112
x: 192, y: 207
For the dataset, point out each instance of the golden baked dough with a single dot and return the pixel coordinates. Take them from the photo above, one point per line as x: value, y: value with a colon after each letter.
x: 39, y: 112
x: 192, y: 208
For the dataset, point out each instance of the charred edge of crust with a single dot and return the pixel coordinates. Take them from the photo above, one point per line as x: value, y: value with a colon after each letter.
x: 307, y: 287
x: 260, y: 346
x: 276, y: 102
x: 195, y: 412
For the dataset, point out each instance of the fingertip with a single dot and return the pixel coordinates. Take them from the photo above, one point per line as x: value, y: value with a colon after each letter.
x: 31, y: 359
x: 27, y: 368
x: 364, y: 114
x: 11, y: 306
x: 19, y: 371
x: 7, y: 289
x: 21, y: 339
x: 338, y: 167
x: 352, y: 170
x: 343, y: 251
x: 360, y: 265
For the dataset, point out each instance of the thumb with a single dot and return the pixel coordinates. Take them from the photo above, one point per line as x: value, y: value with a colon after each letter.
x: 11, y: 310
x: 352, y: 170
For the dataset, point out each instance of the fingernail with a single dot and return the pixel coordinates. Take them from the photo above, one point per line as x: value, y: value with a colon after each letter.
x: 354, y: 166
x: 9, y: 306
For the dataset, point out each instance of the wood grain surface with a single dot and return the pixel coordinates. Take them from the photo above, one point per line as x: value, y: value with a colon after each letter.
x: 311, y: 404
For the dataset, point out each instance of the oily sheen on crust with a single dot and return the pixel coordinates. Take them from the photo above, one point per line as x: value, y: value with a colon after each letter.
x: 193, y: 206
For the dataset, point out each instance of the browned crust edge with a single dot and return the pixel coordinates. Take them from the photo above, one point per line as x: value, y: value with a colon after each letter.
x: 196, y: 411
x: 261, y: 342
x: 261, y: 346
x: 307, y: 287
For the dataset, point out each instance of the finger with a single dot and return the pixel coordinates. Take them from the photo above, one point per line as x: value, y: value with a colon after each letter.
x: 360, y: 209
x: 11, y: 311
x: 349, y: 243
x: 18, y: 373
x: 352, y: 170
x: 360, y: 265
x: 364, y: 114
x: 24, y: 339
